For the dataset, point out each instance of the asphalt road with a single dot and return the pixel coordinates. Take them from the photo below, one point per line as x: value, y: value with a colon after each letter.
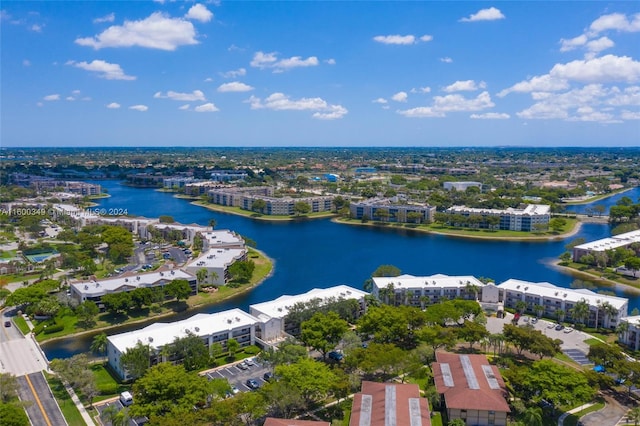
x: 41, y: 406
x: 18, y: 355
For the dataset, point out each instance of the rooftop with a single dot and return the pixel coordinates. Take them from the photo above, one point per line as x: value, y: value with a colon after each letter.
x: 270, y: 421
x: 613, y: 242
x: 437, y: 281
x: 159, y: 334
x: 217, y: 258
x: 130, y: 281
x: 381, y: 404
x: 222, y: 237
x: 469, y: 382
x: 548, y: 290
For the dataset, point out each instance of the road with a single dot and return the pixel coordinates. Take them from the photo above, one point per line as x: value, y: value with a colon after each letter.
x: 18, y: 354
x: 41, y: 406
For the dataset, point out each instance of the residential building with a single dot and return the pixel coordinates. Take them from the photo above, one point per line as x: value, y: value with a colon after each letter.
x: 228, y: 175
x: 471, y: 389
x: 273, y: 314
x: 94, y: 289
x: 211, y: 328
x: 602, y: 245
x: 384, y: 404
x: 553, y: 300
x: 216, y: 262
x: 271, y: 421
x: 631, y: 334
x: 177, y: 182
x: 222, y: 238
x: 200, y: 188
x: 188, y: 232
x: 461, y: 186
x: 423, y: 291
x: 393, y: 212
x: 525, y: 218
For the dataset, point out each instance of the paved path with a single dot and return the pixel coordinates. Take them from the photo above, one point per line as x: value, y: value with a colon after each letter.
x: 41, y: 406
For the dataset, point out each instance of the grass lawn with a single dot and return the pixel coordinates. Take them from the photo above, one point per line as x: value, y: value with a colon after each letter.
x: 572, y: 419
x: 436, y: 419
x: 108, y: 385
x: 592, y: 341
x: 21, y: 323
x: 68, y: 408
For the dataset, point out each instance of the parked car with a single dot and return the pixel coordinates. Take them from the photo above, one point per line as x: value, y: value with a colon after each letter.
x: 242, y: 365
x: 559, y: 327
x: 568, y: 330
x: 250, y: 362
x: 534, y: 320
x: 335, y: 355
x: 252, y: 384
x: 234, y: 390
x: 268, y: 376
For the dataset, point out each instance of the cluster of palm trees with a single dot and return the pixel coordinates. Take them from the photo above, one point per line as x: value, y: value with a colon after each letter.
x: 580, y: 312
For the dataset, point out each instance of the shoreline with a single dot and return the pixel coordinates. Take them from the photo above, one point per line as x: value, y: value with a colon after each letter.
x: 563, y: 236
x: 269, y: 218
x: 597, y: 197
x: 240, y: 291
x: 594, y: 278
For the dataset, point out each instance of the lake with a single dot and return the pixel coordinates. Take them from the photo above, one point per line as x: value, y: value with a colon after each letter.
x: 320, y: 253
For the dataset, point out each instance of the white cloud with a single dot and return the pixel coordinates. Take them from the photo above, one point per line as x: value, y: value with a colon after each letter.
x: 630, y: 115
x: 208, y: 107
x: 330, y: 61
x: 70, y: 98
x: 208, y: 80
x: 491, y: 116
x: 616, y: 21
x: 184, y: 107
x: 541, y: 83
x: 446, y: 60
x: 608, y: 68
x: 199, y: 13
x: 425, y: 89
x: 490, y: 14
x: 113, y: 105
x: 596, y: 46
x: 567, y: 45
x: 36, y: 28
x: 196, y: 95
x: 141, y: 108
x: 395, y: 39
x: 460, y: 103
x: 400, y: 97
x: 157, y: 31
x: 270, y: 60
x: 104, y: 69
x: 55, y: 97
x: 426, y: 38
x: 234, y: 86
x: 630, y: 96
x: 107, y: 18
x: 465, y: 86
x: 281, y: 102
x: 379, y: 101
x: 421, y: 112
x: 234, y: 73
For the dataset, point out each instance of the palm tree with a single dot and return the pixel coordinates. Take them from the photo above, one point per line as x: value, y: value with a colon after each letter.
x: 622, y: 330
x: 390, y: 293
x: 472, y: 288
x: 408, y: 297
x: 560, y: 315
x: 580, y: 311
x: 424, y: 301
x: 201, y: 275
x: 609, y: 312
x: 533, y: 416
x: 539, y: 310
x: 521, y: 306
x: 496, y: 340
x: 99, y: 344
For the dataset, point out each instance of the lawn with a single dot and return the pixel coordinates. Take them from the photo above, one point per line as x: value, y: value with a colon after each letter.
x: 108, y: 385
x: 68, y: 408
x: 21, y: 323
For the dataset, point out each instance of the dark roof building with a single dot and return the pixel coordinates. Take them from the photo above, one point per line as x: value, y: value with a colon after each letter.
x: 389, y: 404
x: 471, y: 389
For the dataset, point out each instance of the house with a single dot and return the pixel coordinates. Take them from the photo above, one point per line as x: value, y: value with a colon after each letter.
x: 461, y: 186
x: 424, y: 291
x: 471, y: 389
x: 211, y: 328
x: 273, y: 314
x: 94, y: 289
x: 383, y: 404
x: 552, y: 300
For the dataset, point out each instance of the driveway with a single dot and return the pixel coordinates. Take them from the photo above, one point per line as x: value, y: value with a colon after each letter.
x: 237, y: 377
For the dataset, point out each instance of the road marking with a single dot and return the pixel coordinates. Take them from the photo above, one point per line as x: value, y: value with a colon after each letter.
x: 33, y: 390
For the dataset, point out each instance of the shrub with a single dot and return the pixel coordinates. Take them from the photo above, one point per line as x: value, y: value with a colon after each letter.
x: 252, y: 350
x: 53, y: 328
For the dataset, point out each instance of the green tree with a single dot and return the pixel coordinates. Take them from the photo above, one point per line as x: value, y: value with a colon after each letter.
x: 120, y: 243
x: 557, y: 224
x: 288, y: 352
x: 310, y: 378
x: 166, y: 219
x: 323, y: 331
x: 13, y: 415
x: 201, y: 275
x: 99, y: 344
x: 117, y: 302
x: 180, y: 289
x: 632, y: 263
x: 242, y: 270
x: 580, y: 311
x: 472, y: 332
x: 533, y: 416
x: 301, y: 207
x: 456, y: 422
x: 191, y: 350
x: 87, y: 312
x: 437, y: 336
x: 136, y: 360
x: 167, y: 388
x: 258, y: 205
x: 141, y: 296
x: 232, y: 347
x: 8, y: 387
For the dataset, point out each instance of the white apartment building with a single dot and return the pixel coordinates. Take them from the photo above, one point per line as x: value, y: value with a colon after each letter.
x: 461, y: 186
x: 211, y: 328
x: 216, y: 262
x: 396, y: 212
x: 631, y: 337
x: 273, y: 314
x: 601, y: 246
x: 222, y: 238
x: 553, y: 299
x: 519, y: 219
x: 424, y: 291
x: 188, y: 231
x: 94, y: 289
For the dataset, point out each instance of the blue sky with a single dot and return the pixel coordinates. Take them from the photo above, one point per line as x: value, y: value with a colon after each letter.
x: 325, y: 73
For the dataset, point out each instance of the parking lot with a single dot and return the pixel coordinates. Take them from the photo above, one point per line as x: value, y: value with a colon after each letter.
x: 238, y: 373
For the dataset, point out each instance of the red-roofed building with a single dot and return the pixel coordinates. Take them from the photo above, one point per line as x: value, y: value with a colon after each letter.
x: 471, y: 389
x: 381, y: 404
x: 290, y: 422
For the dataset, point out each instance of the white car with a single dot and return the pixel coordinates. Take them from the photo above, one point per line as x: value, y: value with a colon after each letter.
x: 568, y: 330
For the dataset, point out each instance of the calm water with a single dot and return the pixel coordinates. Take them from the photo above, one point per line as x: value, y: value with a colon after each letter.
x: 319, y: 253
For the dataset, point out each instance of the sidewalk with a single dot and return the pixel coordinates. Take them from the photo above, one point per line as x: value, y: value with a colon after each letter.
x: 83, y: 412
x: 573, y: 411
